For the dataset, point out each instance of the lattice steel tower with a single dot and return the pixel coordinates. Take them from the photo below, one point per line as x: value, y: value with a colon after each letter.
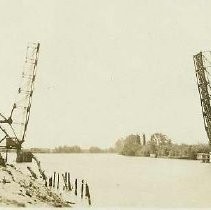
x: 202, y: 62
x: 22, y: 106
x: 14, y: 127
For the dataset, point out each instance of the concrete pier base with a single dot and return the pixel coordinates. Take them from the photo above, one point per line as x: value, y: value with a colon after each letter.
x: 23, y: 156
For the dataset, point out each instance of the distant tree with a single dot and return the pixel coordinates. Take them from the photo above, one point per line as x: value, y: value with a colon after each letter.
x: 75, y: 149
x: 131, y: 145
x: 144, y: 139
x: 160, y: 144
x: 68, y: 149
x: 188, y: 151
x: 95, y: 150
x: 119, y: 145
x: 143, y: 151
x: 40, y: 150
x: 174, y: 151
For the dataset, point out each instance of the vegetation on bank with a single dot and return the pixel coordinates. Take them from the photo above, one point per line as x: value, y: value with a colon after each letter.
x: 159, y: 145
x: 72, y: 149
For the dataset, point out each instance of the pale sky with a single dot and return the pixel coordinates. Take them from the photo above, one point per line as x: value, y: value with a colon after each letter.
x: 107, y: 68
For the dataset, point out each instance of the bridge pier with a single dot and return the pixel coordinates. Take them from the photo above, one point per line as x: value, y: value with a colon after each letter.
x: 23, y: 156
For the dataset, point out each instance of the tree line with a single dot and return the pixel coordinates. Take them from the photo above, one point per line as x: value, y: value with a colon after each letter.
x: 72, y: 149
x: 159, y: 145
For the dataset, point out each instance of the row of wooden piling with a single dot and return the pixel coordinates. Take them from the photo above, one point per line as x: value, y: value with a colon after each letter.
x: 54, y: 182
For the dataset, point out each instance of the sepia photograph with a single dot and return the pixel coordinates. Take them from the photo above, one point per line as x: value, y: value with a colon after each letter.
x: 105, y: 104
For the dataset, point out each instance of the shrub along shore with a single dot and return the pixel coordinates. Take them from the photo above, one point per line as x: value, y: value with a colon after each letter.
x: 158, y: 145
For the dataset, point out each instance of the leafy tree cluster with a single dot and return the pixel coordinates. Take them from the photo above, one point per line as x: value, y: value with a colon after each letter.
x: 67, y: 149
x: 159, y: 145
x: 77, y: 149
x: 40, y: 150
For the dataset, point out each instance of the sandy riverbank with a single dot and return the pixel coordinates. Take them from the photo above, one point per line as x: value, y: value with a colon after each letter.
x: 21, y: 189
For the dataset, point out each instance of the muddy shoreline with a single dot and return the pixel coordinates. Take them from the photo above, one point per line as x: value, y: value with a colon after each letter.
x: 21, y: 189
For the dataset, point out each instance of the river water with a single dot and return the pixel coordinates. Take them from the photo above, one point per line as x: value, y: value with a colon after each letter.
x: 120, y: 181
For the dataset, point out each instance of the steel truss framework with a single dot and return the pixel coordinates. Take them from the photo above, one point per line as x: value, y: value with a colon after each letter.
x: 14, y: 127
x: 202, y: 62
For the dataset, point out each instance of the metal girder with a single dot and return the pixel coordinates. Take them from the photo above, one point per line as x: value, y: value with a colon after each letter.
x: 204, y: 91
x: 18, y: 120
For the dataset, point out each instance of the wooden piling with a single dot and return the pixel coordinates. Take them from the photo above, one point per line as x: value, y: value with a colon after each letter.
x: 54, y: 178
x: 69, y: 183
x: 76, y: 186
x: 66, y: 177
x: 87, y: 194
x: 50, y: 182
x: 82, y: 189
x: 58, y: 181
x: 65, y: 182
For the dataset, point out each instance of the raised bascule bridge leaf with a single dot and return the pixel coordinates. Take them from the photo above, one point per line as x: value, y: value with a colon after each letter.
x: 15, y: 126
x: 202, y: 62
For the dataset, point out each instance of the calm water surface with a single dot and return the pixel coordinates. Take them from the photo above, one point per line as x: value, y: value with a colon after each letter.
x: 119, y: 181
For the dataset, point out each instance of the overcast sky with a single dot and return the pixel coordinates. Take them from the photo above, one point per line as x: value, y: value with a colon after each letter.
x: 107, y: 68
